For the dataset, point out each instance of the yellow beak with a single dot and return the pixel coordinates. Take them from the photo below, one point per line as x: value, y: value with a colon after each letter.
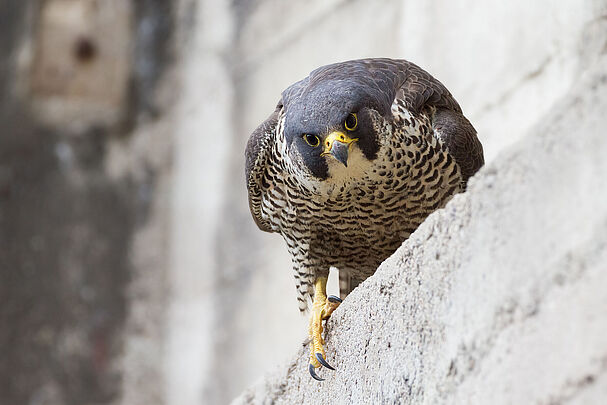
x: 338, y: 144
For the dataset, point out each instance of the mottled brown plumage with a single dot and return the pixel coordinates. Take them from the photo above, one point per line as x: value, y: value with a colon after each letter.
x: 345, y: 195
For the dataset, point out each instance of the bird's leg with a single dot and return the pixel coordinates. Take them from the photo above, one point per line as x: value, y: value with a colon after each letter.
x: 322, y: 308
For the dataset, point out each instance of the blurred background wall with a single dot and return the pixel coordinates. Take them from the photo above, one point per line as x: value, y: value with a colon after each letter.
x: 131, y: 271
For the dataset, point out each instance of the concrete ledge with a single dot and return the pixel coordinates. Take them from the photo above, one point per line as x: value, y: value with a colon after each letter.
x: 499, y: 298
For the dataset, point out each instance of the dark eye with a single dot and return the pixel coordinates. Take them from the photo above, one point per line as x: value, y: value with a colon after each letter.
x: 351, y: 122
x: 311, y: 140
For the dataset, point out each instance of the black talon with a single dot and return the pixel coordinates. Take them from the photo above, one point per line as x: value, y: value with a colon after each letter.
x: 313, y: 373
x: 323, y: 361
x: 333, y: 298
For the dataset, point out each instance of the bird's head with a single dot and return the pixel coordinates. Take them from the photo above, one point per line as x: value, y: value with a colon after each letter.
x: 333, y: 125
x: 333, y: 148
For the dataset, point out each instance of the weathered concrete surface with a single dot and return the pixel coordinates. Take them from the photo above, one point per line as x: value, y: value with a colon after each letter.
x: 498, y: 298
x: 133, y: 275
x: 506, y: 63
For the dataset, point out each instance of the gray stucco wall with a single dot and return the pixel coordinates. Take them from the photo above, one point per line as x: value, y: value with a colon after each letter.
x: 498, y: 298
x: 506, y: 63
x: 131, y: 271
x: 81, y: 183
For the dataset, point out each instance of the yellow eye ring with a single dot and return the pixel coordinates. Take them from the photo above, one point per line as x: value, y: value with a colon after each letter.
x: 312, y: 140
x: 351, y: 122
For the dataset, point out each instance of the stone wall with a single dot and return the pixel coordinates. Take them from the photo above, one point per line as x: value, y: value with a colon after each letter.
x: 507, y: 64
x: 498, y: 298
x: 131, y: 271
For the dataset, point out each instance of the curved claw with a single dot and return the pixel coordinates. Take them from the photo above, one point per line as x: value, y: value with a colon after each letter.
x: 333, y: 298
x: 313, y: 373
x: 323, y: 361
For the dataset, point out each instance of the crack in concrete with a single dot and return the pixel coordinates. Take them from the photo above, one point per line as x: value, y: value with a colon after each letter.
x: 572, y: 388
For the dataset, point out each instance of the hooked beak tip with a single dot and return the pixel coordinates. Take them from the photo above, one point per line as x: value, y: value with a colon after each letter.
x: 340, y: 152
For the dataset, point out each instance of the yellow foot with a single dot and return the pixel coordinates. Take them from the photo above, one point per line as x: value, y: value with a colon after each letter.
x: 322, y: 308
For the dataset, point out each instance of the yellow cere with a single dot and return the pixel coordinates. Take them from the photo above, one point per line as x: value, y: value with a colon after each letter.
x: 337, y: 136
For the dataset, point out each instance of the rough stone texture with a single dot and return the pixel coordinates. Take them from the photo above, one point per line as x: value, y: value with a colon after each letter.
x: 130, y: 269
x: 507, y: 64
x: 498, y: 298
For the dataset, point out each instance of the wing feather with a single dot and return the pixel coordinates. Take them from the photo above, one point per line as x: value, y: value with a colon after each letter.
x: 420, y: 90
x: 257, y: 156
x: 460, y: 136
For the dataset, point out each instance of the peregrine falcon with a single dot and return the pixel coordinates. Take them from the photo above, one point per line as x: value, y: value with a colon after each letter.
x: 354, y: 157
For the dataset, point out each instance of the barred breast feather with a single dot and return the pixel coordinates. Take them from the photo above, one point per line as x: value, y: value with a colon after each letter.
x: 429, y: 151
